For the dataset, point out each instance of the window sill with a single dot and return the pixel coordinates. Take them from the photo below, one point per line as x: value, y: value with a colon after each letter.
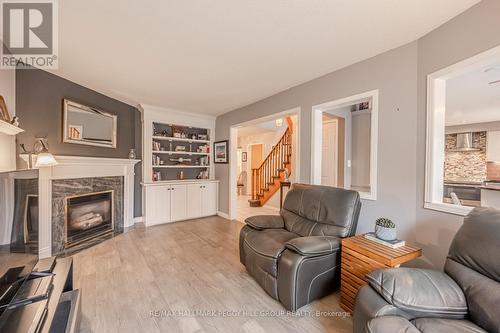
x: 448, y: 208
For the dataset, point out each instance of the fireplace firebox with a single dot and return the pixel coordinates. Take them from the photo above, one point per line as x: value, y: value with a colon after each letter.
x: 88, y: 216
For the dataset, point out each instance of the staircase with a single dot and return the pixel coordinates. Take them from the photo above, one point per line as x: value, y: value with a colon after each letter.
x: 266, y: 178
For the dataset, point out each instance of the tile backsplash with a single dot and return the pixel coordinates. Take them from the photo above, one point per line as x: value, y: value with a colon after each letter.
x: 469, y: 166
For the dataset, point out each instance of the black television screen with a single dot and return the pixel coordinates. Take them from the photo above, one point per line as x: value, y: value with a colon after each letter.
x: 18, y: 231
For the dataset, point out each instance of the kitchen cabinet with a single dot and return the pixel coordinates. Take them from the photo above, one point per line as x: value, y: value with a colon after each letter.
x: 202, y: 198
x: 194, y: 197
x: 178, y: 203
x: 171, y: 202
x: 493, y: 146
x: 209, y: 194
x: 490, y: 197
x: 157, y: 199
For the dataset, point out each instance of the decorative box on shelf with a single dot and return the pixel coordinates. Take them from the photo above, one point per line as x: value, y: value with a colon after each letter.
x: 9, y: 129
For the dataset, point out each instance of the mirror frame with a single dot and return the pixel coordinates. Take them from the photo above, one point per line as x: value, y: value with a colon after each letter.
x: 65, y: 139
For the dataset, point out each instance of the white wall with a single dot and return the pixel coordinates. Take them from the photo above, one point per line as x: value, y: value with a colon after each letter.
x: 8, y: 143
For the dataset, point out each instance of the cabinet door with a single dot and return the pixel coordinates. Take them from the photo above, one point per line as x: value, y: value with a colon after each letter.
x: 157, y: 204
x: 178, y: 198
x: 194, y: 200
x: 493, y: 146
x: 209, y: 195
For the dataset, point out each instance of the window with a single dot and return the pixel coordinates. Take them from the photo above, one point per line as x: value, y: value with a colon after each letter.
x: 463, y: 135
x: 344, y: 144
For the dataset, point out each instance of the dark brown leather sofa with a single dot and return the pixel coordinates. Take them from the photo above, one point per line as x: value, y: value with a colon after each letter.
x: 295, y: 256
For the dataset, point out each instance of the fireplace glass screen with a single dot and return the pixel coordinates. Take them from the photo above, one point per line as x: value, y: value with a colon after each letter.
x: 88, y: 216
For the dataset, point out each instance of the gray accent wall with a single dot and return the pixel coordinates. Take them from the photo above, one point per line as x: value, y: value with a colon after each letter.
x: 468, y: 34
x: 39, y: 105
x: 400, y: 75
x: 394, y: 73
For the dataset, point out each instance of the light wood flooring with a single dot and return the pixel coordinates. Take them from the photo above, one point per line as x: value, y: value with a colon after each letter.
x: 135, y: 281
x: 244, y: 210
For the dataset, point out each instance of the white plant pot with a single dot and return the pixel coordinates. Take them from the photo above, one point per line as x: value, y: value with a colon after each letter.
x: 387, y: 234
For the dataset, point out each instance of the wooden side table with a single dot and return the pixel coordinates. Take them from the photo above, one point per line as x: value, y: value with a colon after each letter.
x: 361, y: 256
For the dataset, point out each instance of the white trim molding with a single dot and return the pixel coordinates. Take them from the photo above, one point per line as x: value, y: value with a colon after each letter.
x: 223, y: 215
x: 317, y: 132
x: 69, y: 167
x: 435, y: 138
x: 233, y: 145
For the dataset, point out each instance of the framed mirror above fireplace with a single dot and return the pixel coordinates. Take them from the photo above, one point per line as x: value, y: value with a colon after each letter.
x: 88, y: 126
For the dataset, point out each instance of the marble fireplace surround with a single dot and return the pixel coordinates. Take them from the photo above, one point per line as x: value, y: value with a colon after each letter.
x: 78, y: 167
x: 62, y: 188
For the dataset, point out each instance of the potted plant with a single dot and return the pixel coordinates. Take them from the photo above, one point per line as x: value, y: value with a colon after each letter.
x: 385, y: 229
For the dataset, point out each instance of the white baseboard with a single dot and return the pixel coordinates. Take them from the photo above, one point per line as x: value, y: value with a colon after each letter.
x: 138, y: 219
x: 45, y: 252
x: 224, y: 215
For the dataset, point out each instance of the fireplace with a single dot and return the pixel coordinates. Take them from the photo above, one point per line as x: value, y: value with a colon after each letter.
x: 88, y: 216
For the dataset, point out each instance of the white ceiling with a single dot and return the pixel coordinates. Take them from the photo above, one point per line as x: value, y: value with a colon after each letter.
x: 269, y: 126
x: 471, y: 99
x: 213, y: 56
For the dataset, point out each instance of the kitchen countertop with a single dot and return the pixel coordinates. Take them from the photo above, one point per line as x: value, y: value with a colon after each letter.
x: 491, y: 187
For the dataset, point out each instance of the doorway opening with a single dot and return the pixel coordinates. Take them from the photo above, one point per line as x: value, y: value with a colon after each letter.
x: 344, y: 144
x: 265, y: 153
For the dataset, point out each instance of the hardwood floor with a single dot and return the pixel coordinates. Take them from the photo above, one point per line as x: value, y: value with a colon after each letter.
x: 136, y: 282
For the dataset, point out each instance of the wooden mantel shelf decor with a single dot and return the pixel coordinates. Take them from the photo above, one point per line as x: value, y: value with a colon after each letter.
x: 361, y: 256
x: 9, y: 129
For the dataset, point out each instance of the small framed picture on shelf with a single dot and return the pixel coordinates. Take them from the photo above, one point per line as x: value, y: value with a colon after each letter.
x: 221, y: 151
x: 202, y: 137
x: 244, y: 156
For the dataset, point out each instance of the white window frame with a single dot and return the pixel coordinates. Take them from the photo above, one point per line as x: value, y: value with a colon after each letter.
x: 435, y: 139
x: 317, y: 132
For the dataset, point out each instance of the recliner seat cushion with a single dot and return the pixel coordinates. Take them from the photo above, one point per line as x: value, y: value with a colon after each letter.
x: 420, y: 292
x: 265, y: 246
x: 433, y: 325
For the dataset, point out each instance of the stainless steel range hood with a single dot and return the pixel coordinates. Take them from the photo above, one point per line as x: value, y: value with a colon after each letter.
x: 465, y: 143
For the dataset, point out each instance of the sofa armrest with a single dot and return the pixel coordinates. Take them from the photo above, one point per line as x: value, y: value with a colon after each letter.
x: 390, y: 324
x: 261, y: 222
x: 314, y: 245
x: 420, y: 292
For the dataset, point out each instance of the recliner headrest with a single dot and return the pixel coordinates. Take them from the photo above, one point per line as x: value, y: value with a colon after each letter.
x: 477, y: 243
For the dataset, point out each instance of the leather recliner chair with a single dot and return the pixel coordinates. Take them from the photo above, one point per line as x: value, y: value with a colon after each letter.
x: 463, y: 298
x: 295, y: 256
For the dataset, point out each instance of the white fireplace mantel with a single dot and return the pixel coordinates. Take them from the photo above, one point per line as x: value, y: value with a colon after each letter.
x: 70, y: 167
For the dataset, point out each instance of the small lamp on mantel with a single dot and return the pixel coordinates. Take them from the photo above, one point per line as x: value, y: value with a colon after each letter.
x: 44, y: 157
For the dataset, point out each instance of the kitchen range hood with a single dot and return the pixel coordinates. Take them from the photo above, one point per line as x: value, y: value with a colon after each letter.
x: 465, y: 143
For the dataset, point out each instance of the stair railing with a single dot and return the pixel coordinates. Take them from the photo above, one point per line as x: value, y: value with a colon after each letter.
x: 276, y: 160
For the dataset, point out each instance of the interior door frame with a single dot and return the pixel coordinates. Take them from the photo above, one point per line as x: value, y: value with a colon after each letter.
x: 233, y: 145
x: 317, y: 136
x: 335, y: 151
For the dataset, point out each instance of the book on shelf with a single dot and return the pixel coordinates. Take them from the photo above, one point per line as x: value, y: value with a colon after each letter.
x: 393, y: 244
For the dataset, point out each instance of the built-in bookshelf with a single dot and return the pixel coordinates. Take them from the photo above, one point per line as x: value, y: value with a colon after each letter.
x: 179, y: 152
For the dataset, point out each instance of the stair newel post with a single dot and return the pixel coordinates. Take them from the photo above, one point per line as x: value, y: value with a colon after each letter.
x: 281, y: 154
x: 275, y: 166
x: 254, y: 180
x: 273, y: 162
x: 262, y: 184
